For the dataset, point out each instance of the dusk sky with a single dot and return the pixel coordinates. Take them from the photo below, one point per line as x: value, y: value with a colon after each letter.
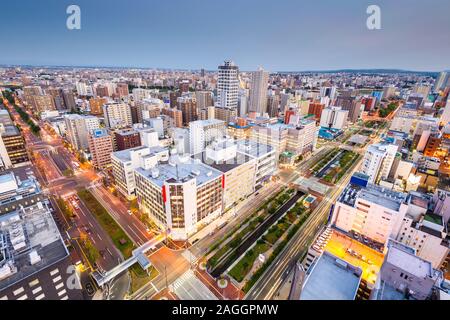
x: 282, y: 35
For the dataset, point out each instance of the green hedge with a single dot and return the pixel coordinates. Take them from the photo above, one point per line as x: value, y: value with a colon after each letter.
x: 107, y: 222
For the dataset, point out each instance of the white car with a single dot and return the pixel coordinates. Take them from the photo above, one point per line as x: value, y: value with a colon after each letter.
x: 129, y: 212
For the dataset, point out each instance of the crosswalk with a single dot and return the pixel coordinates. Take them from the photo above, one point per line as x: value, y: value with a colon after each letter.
x: 189, y: 287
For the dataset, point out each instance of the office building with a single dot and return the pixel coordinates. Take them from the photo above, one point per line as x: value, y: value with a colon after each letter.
x: 369, y: 210
x: 180, y: 196
x: 13, y: 150
x: 238, y: 169
x: 228, y: 85
x: 445, y: 117
x: 16, y: 193
x: 442, y: 81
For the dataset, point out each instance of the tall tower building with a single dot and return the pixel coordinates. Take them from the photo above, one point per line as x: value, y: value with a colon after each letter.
x: 228, y: 85
x: 258, y: 91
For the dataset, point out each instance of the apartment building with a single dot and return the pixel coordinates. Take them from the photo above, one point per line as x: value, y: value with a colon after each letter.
x: 117, y: 115
x: 78, y: 128
x: 100, y: 146
x: 378, y: 160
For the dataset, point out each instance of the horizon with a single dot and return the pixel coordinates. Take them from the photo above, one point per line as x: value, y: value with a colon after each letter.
x: 390, y: 70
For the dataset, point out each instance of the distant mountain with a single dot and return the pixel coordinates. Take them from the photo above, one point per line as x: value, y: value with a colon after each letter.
x: 368, y: 71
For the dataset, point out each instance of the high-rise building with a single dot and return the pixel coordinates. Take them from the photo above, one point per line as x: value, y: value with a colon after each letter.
x: 127, y: 139
x: 148, y: 108
x: 258, y: 91
x: 188, y: 106
x: 333, y: 117
x: 243, y: 102
x: 225, y: 114
x: 203, y: 132
x: 228, y: 85
x: 442, y: 81
x: 12, y: 147
x: 378, y: 160
x: 174, y: 114
x: 316, y: 109
x: 102, y: 91
x: 78, y: 128
x: 96, y: 105
x: 445, y: 117
x: 204, y: 99
x: 69, y: 100
x: 349, y: 103
x: 273, y: 102
x: 117, y: 115
x: 100, y: 146
x: 43, y: 103
x: 297, y: 138
x: 122, y: 90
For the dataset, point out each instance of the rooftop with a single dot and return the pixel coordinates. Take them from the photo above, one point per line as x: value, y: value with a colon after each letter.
x: 223, y: 166
x: 374, y: 194
x: 180, y: 169
x: 125, y: 155
x: 10, y: 130
x: 331, y: 278
x: 31, y: 242
x: 409, y: 262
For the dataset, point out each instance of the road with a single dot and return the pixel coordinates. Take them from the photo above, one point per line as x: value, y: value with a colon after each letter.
x: 44, y: 150
x: 271, y: 280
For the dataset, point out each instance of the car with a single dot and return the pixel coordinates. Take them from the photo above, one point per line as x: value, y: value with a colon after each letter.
x: 148, y: 230
x: 129, y: 212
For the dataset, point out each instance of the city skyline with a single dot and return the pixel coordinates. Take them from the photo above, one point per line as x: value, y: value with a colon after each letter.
x: 176, y: 35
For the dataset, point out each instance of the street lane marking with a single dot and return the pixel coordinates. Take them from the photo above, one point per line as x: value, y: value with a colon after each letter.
x: 18, y: 291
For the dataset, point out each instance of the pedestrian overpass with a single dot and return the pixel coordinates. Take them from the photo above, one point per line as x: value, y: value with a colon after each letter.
x: 138, y: 255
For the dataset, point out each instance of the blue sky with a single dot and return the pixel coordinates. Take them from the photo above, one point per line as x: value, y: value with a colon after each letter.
x: 281, y: 35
